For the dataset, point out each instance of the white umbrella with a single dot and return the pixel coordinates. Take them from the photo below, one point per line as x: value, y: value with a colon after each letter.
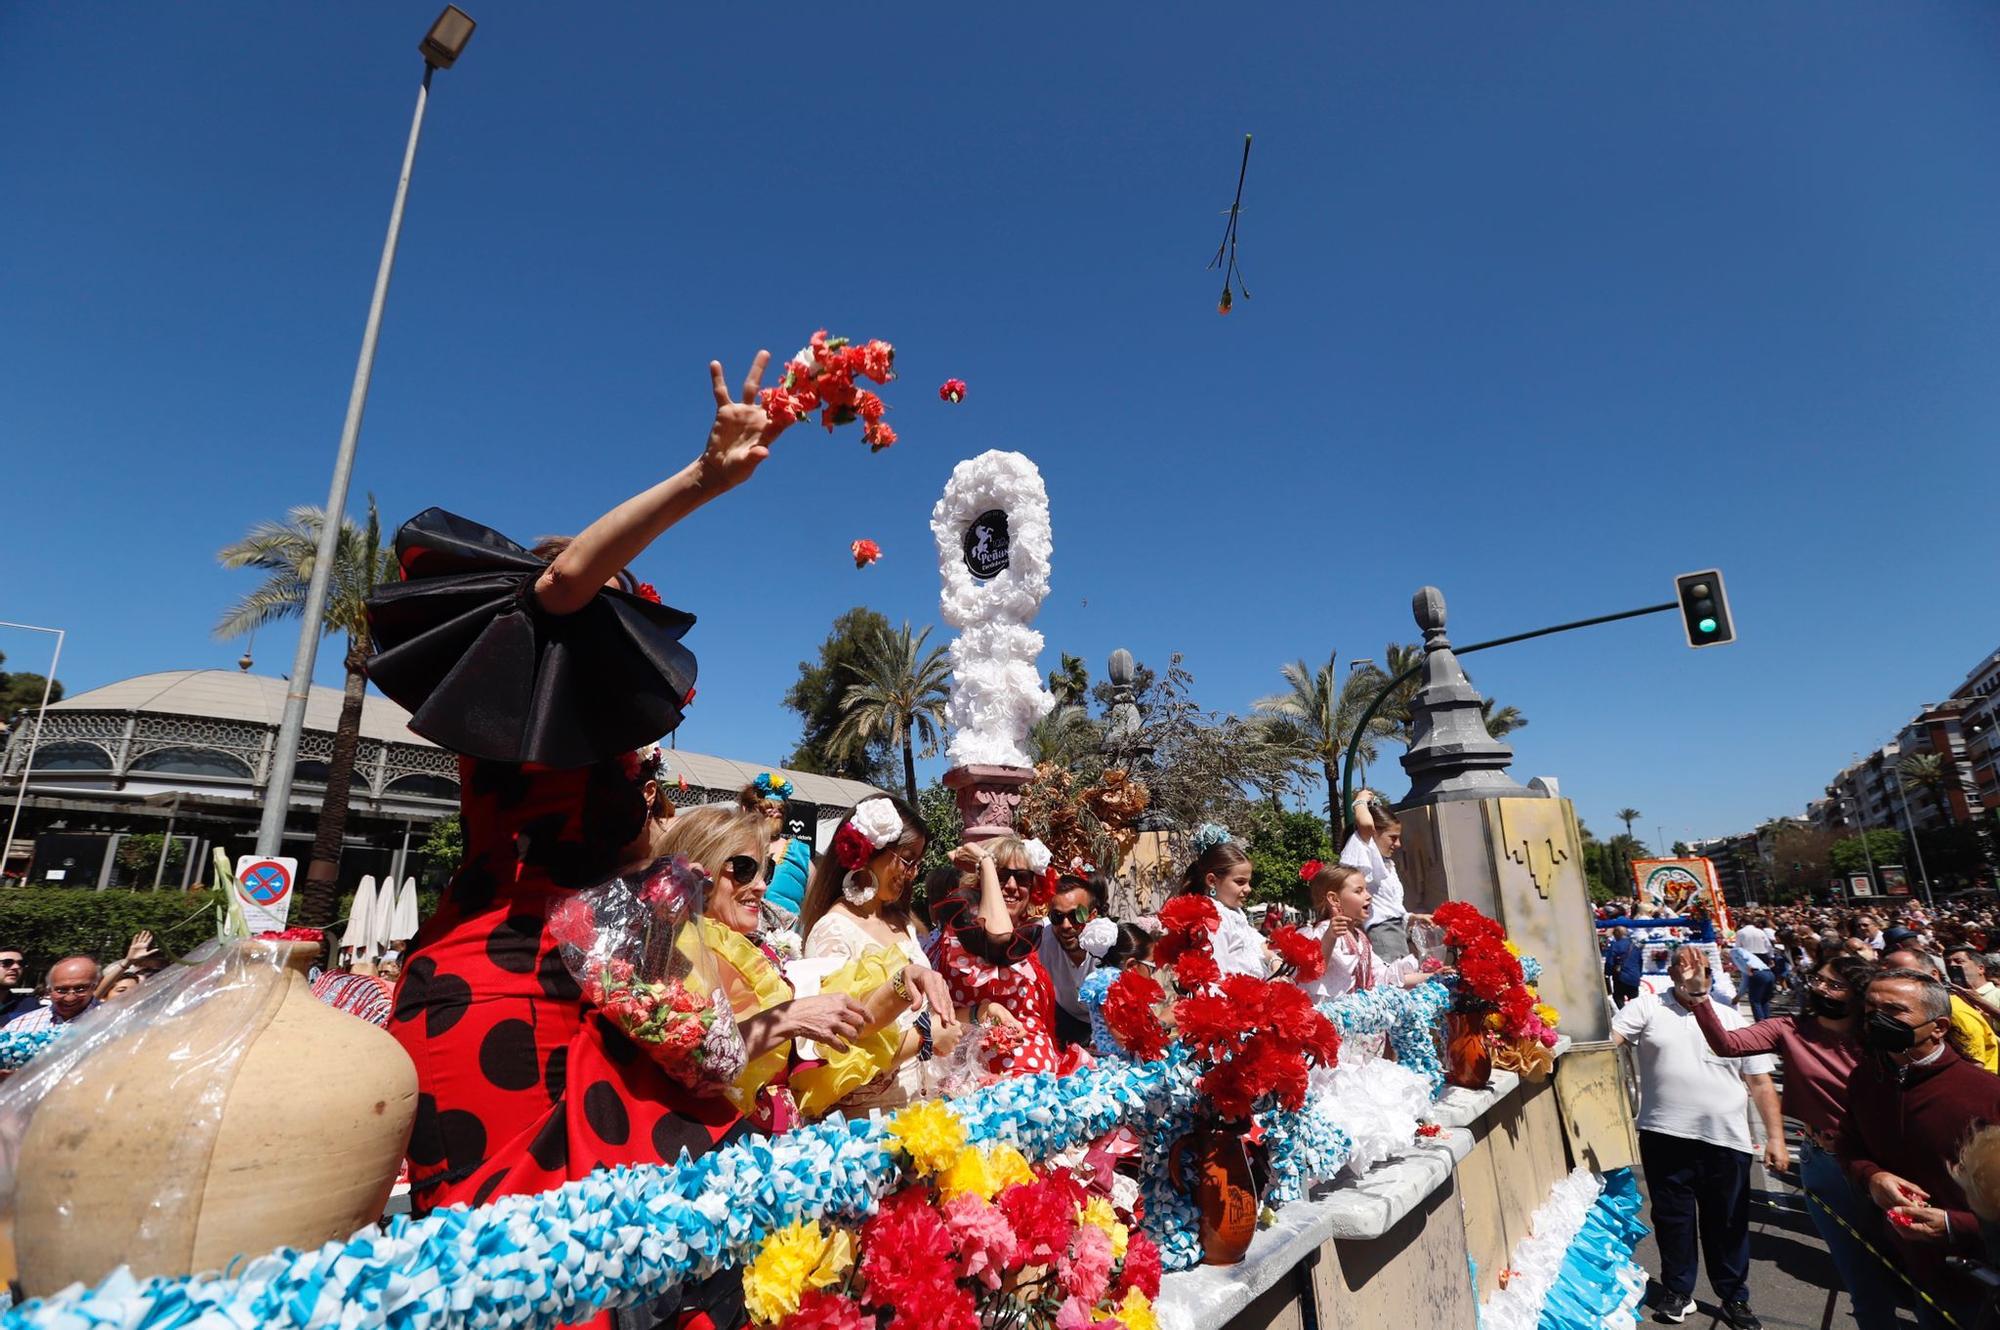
x: 382, y: 923
x: 404, y: 925
x: 360, y: 917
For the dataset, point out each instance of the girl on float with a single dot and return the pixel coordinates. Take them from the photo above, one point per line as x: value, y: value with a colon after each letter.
x: 1222, y: 870
x: 546, y: 674
x: 857, y: 906
x: 1341, y: 901
x: 776, y: 1089
x: 986, y: 950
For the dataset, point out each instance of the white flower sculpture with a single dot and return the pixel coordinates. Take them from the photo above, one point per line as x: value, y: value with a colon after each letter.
x: 996, y: 690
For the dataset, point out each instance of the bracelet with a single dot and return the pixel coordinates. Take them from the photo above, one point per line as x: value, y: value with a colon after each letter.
x: 925, y: 1048
x: 900, y: 985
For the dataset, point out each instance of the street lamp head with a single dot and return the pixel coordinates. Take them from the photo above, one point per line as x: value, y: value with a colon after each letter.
x: 446, y: 40
x: 243, y: 662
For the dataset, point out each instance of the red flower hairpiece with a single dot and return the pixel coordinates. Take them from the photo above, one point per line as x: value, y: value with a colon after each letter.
x: 1044, y: 889
x: 1310, y: 869
x: 852, y: 847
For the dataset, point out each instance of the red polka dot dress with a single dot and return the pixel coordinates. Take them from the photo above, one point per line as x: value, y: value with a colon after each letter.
x: 1008, y: 975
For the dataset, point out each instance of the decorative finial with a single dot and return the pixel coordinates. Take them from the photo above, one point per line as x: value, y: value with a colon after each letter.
x: 1451, y: 754
x: 1120, y: 667
x: 1428, y: 606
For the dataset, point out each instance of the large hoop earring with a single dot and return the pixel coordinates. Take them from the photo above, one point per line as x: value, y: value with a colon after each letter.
x: 858, y: 887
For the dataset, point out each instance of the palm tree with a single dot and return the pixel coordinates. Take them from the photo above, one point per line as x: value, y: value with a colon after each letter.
x: 1071, y: 683
x: 1064, y: 737
x: 1628, y: 816
x: 1929, y: 773
x: 1397, y: 659
x: 287, y: 551
x: 1501, y: 721
x: 1317, y: 721
x: 901, y: 695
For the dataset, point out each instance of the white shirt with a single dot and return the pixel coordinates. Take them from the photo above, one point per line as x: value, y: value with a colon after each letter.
x: 1685, y: 1090
x: 1353, y: 964
x: 1239, y: 947
x: 1754, y: 940
x: 1064, y: 973
x: 1386, y: 887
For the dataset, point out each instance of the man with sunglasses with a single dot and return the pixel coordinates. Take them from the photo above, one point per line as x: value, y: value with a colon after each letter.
x: 1077, y: 901
x: 14, y: 1000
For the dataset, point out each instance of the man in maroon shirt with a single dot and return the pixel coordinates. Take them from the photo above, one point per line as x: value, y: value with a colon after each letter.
x: 1910, y: 1107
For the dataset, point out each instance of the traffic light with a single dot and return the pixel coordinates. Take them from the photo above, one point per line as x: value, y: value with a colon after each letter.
x: 1704, y: 608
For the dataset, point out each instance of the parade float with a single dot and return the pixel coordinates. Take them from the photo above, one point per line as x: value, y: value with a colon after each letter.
x: 1478, y: 1172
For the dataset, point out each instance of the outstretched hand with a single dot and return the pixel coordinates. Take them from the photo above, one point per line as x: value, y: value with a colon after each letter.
x: 741, y: 437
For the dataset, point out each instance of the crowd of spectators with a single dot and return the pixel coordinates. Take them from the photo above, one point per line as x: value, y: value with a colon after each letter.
x: 1887, y: 1061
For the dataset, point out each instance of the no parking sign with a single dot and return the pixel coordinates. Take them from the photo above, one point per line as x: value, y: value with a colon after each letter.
x: 264, y: 890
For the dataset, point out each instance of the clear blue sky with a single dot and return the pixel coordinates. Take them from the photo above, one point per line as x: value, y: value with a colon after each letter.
x: 1550, y: 303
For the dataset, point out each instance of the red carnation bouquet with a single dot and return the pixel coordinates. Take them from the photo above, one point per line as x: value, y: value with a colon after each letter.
x: 1254, y: 1041
x: 823, y: 377
x: 634, y: 948
x: 1489, y: 981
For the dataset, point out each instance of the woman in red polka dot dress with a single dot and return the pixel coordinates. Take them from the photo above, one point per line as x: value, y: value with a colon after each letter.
x: 987, y: 955
x: 551, y: 672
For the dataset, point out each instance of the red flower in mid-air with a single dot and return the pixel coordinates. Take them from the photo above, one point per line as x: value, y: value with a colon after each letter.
x: 953, y: 390
x: 865, y: 552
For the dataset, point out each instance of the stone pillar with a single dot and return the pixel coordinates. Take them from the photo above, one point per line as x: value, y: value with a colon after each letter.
x: 988, y: 798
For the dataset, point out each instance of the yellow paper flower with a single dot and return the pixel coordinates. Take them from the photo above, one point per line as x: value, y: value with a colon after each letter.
x: 1550, y: 1016
x: 1136, y: 1312
x: 1010, y: 1166
x: 791, y: 1261
x: 930, y: 1134
x: 1099, y: 1214
x: 1512, y: 950
x: 970, y: 1172
x: 1495, y: 1021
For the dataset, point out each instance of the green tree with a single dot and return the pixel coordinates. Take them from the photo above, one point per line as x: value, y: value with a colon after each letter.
x: 1319, y: 719
x: 1501, y: 721
x: 287, y: 552
x: 939, y: 808
x: 1070, y: 685
x: 1601, y: 869
x: 1849, y: 856
x: 1279, y: 840
x: 140, y: 855
x: 1144, y: 687
x: 817, y: 696
x: 1628, y: 816
x: 444, y: 847
x: 1207, y: 765
x: 1066, y: 736
x: 23, y: 692
x: 900, y: 693
x: 1930, y: 773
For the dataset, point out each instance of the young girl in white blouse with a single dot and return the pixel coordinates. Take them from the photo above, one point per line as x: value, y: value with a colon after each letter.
x: 1221, y: 870
x: 1341, y: 899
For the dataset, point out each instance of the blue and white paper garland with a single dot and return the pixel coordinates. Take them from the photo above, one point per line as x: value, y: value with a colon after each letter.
x: 18, y: 1046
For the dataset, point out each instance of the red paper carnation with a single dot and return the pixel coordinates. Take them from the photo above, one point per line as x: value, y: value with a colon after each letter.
x: 1044, y: 889
x: 1141, y: 1269
x: 877, y: 435
x: 1195, y: 969
x: 851, y: 847
x: 1043, y: 1214
x: 821, y: 1309
x: 1189, y: 916
x: 1464, y: 925
x: 1301, y: 953
x: 865, y: 552
x: 1207, y: 1024
x: 953, y: 390
x: 645, y: 591
x: 1310, y: 869
x: 1131, y: 1013
x: 572, y: 924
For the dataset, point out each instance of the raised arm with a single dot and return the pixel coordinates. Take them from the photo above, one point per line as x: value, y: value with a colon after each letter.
x: 739, y: 439
x: 1364, y: 818
x: 1763, y: 1037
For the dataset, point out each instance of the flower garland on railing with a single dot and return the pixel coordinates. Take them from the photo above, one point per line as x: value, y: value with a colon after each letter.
x: 611, y: 1239
x: 1409, y: 1016
x: 18, y: 1046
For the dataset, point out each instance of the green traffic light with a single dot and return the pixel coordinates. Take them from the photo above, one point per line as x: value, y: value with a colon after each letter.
x: 1707, y: 625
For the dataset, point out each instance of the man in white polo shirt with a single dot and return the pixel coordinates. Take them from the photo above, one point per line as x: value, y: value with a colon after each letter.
x: 1694, y: 1139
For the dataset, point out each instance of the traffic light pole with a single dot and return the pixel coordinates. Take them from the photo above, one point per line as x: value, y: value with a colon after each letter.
x: 1347, y: 761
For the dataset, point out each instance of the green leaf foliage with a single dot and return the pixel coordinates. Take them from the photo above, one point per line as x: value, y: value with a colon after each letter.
x: 1280, y: 839
x: 49, y: 923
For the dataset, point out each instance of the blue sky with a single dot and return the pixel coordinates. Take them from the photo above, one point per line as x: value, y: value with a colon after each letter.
x: 1550, y: 303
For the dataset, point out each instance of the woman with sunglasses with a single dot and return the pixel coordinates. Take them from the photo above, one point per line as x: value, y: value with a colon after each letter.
x: 857, y: 907
x: 1820, y: 1047
x: 852, y: 1021
x: 987, y: 951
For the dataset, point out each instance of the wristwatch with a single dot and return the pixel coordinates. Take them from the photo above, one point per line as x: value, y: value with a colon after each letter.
x: 900, y: 985
x: 925, y: 1048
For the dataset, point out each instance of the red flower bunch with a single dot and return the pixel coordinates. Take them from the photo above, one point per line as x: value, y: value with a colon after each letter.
x: 1259, y: 1039
x: 1464, y: 925
x: 1132, y: 1013
x: 852, y: 848
x: 952, y: 391
x: 1310, y: 869
x: 865, y: 552
x: 1142, y: 1267
x: 909, y: 1265
x: 1301, y: 955
x: 822, y: 378
x: 1490, y: 977
x: 644, y: 591
x: 572, y: 923
x: 295, y: 933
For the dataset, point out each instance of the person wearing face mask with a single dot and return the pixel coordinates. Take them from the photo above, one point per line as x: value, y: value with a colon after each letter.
x: 1910, y: 1105
x: 1971, y: 1035
x: 1694, y: 1139
x: 1819, y: 1047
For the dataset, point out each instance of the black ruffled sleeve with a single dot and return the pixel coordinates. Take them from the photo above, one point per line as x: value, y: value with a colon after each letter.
x: 486, y: 672
x: 958, y: 914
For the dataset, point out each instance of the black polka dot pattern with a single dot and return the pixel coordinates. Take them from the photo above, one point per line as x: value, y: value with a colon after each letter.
x: 507, y: 1055
x: 604, y: 1110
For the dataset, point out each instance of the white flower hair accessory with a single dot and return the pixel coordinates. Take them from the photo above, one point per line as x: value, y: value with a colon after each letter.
x: 1037, y: 854
x: 1209, y: 835
x: 1098, y: 936
x: 878, y: 820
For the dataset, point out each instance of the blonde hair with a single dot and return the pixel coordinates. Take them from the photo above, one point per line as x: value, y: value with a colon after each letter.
x: 711, y: 833
x: 1977, y: 1170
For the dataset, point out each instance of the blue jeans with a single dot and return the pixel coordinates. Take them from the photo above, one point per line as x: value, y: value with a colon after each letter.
x: 1758, y: 986
x: 1871, y: 1287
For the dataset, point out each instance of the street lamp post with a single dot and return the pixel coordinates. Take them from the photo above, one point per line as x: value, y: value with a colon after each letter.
x: 34, y: 735
x: 1355, y: 667
x: 1903, y: 798
x: 441, y: 47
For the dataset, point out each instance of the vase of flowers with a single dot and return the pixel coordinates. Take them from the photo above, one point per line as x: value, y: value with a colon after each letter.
x: 1468, y: 1055
x: 1224, y: 1185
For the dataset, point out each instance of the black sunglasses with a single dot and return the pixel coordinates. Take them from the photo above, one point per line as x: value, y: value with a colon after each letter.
x: 1022, y: 877
x: 743, y: 869
x: 1082, y: 914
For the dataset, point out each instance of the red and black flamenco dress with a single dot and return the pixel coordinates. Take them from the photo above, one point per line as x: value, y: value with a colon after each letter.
x: 521, y: 1087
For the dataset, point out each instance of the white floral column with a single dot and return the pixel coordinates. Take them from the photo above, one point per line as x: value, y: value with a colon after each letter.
x: 993, y: 541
